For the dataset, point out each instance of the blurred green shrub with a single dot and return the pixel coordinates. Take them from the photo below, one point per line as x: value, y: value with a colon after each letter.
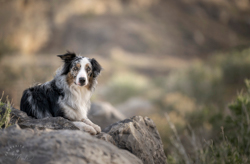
x: 238, y: 123
x: 199, y: 81
x: 122, y: 87
x: 235, y: 66
x: 233, y: 147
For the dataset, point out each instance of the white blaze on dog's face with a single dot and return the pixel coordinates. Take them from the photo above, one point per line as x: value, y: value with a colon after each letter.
x: 84, y: 68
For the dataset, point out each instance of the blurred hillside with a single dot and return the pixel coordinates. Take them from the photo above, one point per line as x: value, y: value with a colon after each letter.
x: 181, y: 28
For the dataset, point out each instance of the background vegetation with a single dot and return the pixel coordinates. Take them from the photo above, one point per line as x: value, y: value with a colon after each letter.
x: 182, y: 63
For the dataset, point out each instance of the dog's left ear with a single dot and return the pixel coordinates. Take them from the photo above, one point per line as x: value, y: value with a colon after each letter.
x: 96, y: 67
x: 68, y: 57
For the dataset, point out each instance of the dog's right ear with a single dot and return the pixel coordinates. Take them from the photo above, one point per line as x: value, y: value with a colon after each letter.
x: 68, y: 57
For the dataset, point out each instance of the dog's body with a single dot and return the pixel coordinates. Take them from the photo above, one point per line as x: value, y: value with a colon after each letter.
x: 67, y: 95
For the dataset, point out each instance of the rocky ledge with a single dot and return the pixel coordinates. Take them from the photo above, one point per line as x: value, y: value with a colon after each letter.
x: 56, y: 140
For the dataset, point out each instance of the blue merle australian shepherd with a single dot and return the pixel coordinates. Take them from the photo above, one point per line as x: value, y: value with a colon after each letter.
x: 67, y: 95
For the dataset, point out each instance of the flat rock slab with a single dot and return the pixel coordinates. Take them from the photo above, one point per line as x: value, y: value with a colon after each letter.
x: 25, y: 121
x: 58, y: 146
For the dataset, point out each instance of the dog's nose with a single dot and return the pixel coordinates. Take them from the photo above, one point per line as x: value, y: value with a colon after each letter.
x: 82, y: 80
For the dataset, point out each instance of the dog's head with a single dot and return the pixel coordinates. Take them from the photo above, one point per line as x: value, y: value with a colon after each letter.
x: 80, y: 70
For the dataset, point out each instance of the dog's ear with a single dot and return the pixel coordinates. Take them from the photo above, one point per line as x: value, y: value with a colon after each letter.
x: 68, y: 57
x: 96, y: 67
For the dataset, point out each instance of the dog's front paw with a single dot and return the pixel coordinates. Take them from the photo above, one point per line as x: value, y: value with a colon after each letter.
x: 97, y: 128
x: 87, y: 128
x: 90, y: 130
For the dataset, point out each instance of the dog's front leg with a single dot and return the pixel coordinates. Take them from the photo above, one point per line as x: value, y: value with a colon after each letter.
x: 96, y: 127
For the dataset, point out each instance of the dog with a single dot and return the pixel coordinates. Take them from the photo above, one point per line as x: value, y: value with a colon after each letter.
x: 67, y: 95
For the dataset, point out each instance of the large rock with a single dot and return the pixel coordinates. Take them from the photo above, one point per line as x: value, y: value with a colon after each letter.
x: 57, y: 140
x: 58, y: 146
x: 139, y: 136
x: 104, y: 114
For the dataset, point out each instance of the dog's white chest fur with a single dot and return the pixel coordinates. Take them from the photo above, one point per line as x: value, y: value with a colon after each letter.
x: 76, y: 101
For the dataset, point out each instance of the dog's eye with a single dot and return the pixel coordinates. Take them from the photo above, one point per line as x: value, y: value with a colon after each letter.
x: 88, y: 69
x: 75, y: 69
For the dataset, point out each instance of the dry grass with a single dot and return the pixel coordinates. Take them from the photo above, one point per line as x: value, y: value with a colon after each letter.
x: 5, y: 117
